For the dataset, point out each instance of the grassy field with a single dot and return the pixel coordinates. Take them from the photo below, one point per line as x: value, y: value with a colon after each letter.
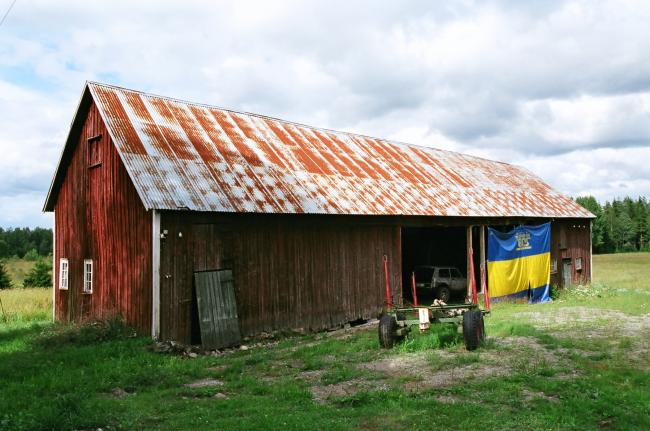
x: 18, y: 269
x: 581, y: 362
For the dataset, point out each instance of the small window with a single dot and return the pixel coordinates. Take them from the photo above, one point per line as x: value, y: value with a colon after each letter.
x: 88, y: 276
x: 578, y: 264
x: 443, y: 273
x: 553, y: 266
x: 63, y: 274
x: 456, y: 273
x: 94, y: 151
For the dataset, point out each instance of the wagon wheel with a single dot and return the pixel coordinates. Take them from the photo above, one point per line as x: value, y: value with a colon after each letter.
x: 387, y: 331
x: 473, y: 329
x: 444, y: 294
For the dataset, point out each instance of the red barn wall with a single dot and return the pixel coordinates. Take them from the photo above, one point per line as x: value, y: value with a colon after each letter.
x: 571, y: 239
x: 306, y: 271
x: 99, y: 216
x: 290, y: 271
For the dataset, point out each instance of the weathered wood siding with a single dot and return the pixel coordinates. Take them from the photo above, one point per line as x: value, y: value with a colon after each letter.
x: 310, y: 272
x: 99, y: 216
x: 571, y: 239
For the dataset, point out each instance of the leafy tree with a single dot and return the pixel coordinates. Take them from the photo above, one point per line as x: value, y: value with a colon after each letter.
x: 4, y: 248
x: 40, y: 275
x: 5, y: 280
x: 19, y: 241
x: 620, y: 225
x: 31, y: 255
x: 623, y: 232
x: 641, y: 216
x: 647, y: 231
x: 598, y: 225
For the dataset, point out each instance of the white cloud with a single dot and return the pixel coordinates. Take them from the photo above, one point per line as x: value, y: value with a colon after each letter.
x: 560, y: 87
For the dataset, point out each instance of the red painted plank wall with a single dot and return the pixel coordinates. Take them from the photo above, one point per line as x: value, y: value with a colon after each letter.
x: 99, y: 216
x: 291, y: 272
x: 571, y: 239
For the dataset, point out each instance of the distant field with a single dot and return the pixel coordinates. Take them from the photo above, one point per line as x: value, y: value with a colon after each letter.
x: 18, y: 269
x: 579, y: 363
x: 625, y: 270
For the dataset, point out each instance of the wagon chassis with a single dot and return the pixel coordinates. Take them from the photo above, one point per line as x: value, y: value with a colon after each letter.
x: 397, y: 322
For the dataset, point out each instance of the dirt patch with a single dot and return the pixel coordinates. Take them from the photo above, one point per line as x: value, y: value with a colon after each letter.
x: 613, y: 321
x: 399, y: 366
x: 523, y: 347
x: 416, y: 368
x: 456, y: 375
x: 204, y: 383
x: 311, y: 375
x: 581, y: 323
x: 321, y: 394
x: 448, y: 399
x: 516, y: 354
x: 119, y: 393
x: 534, y: 395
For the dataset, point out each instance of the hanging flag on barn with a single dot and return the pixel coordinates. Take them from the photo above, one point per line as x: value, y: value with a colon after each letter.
x: 519, y: 263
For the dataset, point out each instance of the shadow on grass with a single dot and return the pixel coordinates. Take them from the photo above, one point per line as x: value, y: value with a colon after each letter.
x: 62, y: 377
x: 11, y: 334
x: 505, y: 329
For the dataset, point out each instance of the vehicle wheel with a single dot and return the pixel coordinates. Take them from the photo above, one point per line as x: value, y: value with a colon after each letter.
x: 443, y: 293
x: 387, y: 331
x: 473, y: 329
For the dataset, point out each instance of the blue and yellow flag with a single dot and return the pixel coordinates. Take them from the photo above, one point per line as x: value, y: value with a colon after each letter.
x: 519, y: 263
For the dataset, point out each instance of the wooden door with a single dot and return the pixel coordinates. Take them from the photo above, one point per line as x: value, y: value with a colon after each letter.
x: 567, y: 272
x: 217, y: 308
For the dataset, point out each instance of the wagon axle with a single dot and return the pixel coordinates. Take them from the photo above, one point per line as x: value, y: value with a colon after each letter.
x: 395, y: 324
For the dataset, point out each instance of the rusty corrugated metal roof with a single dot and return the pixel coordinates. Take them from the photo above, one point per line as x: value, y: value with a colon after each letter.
x: 188, y: 155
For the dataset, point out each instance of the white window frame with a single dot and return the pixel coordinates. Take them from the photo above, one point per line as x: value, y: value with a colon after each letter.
x: 578, y: 264
x: 553, y: 266
x: 64, y: 273
x: 88, y: 276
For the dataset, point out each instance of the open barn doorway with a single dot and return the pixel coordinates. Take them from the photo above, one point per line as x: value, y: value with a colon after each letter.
x: 438, y: 257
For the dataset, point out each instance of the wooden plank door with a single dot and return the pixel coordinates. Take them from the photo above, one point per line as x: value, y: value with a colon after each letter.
x: 567, y: 273
x: 217, y: 307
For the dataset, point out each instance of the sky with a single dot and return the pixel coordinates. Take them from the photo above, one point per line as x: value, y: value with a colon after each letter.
x: 561, y: 88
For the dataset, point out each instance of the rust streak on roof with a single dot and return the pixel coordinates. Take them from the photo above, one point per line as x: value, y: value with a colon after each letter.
x: 190, y: 155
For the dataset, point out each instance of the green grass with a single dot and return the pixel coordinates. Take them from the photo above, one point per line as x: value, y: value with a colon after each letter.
x: 26, y: 305
x: 624, y: 271
x: 580, y: 375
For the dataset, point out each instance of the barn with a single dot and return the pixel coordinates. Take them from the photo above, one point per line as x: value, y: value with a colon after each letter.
x: 157, y: 202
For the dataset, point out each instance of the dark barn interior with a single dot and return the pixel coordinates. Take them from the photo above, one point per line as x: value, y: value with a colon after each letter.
x: 434, y: 246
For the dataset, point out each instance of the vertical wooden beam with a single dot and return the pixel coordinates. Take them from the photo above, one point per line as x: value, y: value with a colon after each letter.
x: 155, y: 270
x: 482, y: 267
x: 399, y: 274
x: 469, y: 269
x: 591, y: 251
x: 55, y: 268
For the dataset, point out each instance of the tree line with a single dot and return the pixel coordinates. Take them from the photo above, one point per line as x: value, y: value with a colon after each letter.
x: 621, y: 225
x: 25, y: 242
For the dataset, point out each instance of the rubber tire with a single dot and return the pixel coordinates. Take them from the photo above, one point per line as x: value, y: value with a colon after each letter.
x: 443, y: 293
x: 473, y: 329
x: 387, y: 331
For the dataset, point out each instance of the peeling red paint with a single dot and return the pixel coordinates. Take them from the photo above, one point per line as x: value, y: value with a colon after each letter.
x: 210, y: 159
